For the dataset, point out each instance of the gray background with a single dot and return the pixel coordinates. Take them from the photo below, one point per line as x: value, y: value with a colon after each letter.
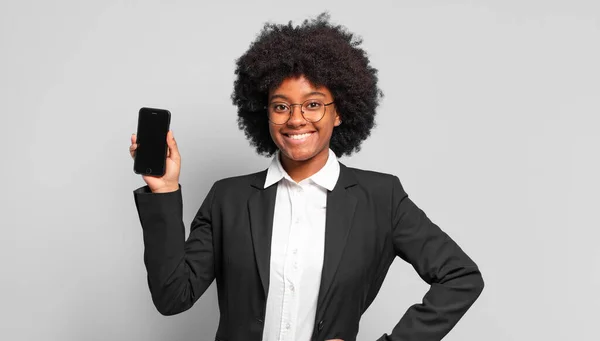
x: 490, y: 120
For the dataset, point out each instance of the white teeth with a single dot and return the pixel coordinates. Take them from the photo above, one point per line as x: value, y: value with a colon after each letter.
x: 299, y: 137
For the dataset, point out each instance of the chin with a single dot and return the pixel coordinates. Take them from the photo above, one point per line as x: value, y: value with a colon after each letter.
x: 298, y: 155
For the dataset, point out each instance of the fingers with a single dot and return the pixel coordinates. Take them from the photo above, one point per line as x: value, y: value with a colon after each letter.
x: 133, y: 146
x: 173, y: 151
x: 132, y: 149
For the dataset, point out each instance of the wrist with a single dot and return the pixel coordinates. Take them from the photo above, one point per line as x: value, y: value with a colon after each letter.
x: 165, y: 189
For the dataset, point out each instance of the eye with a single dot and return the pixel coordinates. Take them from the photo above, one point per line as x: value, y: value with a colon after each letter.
x: 313, y: 105
x: 279, y: 107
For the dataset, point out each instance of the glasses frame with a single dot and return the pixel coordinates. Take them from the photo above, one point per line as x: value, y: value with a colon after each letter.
x: 291, y: 105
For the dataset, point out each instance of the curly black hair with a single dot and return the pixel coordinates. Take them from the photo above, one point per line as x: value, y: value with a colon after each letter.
x: 327, y: 55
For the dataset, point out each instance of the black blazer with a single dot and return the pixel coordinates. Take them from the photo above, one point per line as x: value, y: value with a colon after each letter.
x: 369, y: 221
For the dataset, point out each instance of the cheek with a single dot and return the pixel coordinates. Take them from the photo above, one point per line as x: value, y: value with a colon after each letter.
x: 326, y: 130
x: 276, y: 137
x: 273, y: 132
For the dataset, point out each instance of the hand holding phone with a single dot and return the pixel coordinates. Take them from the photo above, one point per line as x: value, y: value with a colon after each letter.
x: 155, y: 151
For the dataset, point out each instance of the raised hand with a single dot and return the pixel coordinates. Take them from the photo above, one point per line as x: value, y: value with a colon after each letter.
x: 169, y: 182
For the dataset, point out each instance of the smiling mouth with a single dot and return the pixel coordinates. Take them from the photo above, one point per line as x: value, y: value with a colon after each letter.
x: 298, y: 136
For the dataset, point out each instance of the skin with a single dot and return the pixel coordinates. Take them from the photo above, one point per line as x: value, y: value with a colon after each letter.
x: 301, y: 160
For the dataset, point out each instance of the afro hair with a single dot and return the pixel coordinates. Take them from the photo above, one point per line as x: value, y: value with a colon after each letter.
x: 327, y: 55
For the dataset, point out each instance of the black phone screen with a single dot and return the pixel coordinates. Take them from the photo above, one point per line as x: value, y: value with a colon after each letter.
x: 151, y: 152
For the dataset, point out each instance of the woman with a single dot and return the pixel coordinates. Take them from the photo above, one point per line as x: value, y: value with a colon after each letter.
x: 300, y: 250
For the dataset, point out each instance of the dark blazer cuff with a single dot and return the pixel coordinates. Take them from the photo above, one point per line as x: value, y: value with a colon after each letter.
x: 158, y: 210
x: 146, y: 190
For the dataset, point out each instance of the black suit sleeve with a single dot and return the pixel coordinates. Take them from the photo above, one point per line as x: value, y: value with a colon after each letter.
x: 179, y: 271
x: 455, y: 279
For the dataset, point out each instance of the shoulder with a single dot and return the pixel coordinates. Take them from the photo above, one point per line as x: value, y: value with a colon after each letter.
x: 369, y: 178
x: 370, y: 182
x: 375, y: 183
x: 238, y: 184
x: 243, y: 179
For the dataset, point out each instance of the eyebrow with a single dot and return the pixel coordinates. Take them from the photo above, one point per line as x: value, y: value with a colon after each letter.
x: 274, y: 96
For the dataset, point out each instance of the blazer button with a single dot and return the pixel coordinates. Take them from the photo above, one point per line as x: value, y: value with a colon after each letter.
x: 259, y: 320
x: 320, y: 327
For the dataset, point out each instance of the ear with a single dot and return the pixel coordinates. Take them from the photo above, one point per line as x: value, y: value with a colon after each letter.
x: 338, y: 119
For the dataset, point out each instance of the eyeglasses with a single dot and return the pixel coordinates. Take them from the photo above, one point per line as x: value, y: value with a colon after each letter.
x: 312, y: 110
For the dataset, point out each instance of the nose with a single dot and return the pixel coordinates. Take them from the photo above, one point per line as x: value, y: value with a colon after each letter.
x: 296, y: 117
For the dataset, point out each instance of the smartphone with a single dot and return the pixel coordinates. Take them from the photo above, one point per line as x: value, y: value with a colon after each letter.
x: 151, y: 153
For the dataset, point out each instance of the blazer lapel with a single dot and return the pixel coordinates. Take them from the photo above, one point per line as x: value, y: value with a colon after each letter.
x: 261, y: 208
x: 338, y: 222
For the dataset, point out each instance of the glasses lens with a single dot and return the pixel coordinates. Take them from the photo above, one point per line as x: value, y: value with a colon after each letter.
x: 313, y: 110
x: 279, y: 113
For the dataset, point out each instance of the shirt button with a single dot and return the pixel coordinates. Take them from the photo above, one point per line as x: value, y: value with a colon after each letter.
x: 292, y: 287
x: 295, y: 251
x: 288, y: 326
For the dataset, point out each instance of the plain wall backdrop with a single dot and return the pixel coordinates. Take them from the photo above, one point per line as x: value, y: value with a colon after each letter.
x: 490, y: 119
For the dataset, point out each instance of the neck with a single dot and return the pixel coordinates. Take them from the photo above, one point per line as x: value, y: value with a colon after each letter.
x: 300, y: 170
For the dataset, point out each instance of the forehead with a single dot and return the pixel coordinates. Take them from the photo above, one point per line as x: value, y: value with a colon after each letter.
x: 295, y: 87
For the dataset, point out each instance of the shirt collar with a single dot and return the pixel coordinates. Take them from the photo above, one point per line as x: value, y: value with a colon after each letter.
x: 326, y: 177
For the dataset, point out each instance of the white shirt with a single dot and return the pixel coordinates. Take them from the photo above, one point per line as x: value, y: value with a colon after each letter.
x: 297, y: 248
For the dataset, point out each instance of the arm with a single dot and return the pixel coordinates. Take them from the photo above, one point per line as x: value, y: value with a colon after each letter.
x: 454, y: 278
x: 179, y: 271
